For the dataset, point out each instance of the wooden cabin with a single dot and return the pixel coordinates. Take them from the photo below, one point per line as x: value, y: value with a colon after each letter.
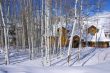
x: 97, y: 38
x: 63, y: 30
x: 102, y: 41
x: 99, y: 44
x: 76, y: 41
x: 64, y: 37
x: 56, y: 39
x: 92, y: 30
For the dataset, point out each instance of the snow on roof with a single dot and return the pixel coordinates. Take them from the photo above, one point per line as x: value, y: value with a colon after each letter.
x: 100, y: 36
x: 59, y: 25
x: 93, y: 23
x: 77, y: 32
x: 99, y: 20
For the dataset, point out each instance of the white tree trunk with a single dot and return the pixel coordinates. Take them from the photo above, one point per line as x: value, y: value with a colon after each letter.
x: 80, y: 22
x: 47, y: 32
x: 71, y: 37
x: 2, y: 43
x: 32, y: 51
x: 5, y: 37
x: 42, y: 33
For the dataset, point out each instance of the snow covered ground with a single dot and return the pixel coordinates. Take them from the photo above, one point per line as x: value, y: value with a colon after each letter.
x: 15, y: 56
x: 91, y: 61
x: 32, y: 68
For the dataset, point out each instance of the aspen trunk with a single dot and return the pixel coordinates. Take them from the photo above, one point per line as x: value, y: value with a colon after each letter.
x: 71, y: 37
x: 5, y: 37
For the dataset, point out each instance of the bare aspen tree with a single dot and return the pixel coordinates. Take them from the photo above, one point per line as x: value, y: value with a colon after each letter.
x: 2, y: 42
x: 51, y: 33
x: 71, y: 37
x: 42, y: 33
x: 47, y: 32
x: 5, y: 37
x: 31, y: 37
x: 80, y: 25
x: 54, y: 30
x: 60, y: 29
x: 56, y: 23
x: 23, y: 22
x: 28, y: 17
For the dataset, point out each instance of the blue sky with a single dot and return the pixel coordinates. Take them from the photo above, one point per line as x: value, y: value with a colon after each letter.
x: 107, y: 5
x: 37, y: 3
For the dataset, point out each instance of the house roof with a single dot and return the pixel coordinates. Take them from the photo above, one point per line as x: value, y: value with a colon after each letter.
x: 93, y: 23
x: 100, y: 36
x: 77, y: 32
